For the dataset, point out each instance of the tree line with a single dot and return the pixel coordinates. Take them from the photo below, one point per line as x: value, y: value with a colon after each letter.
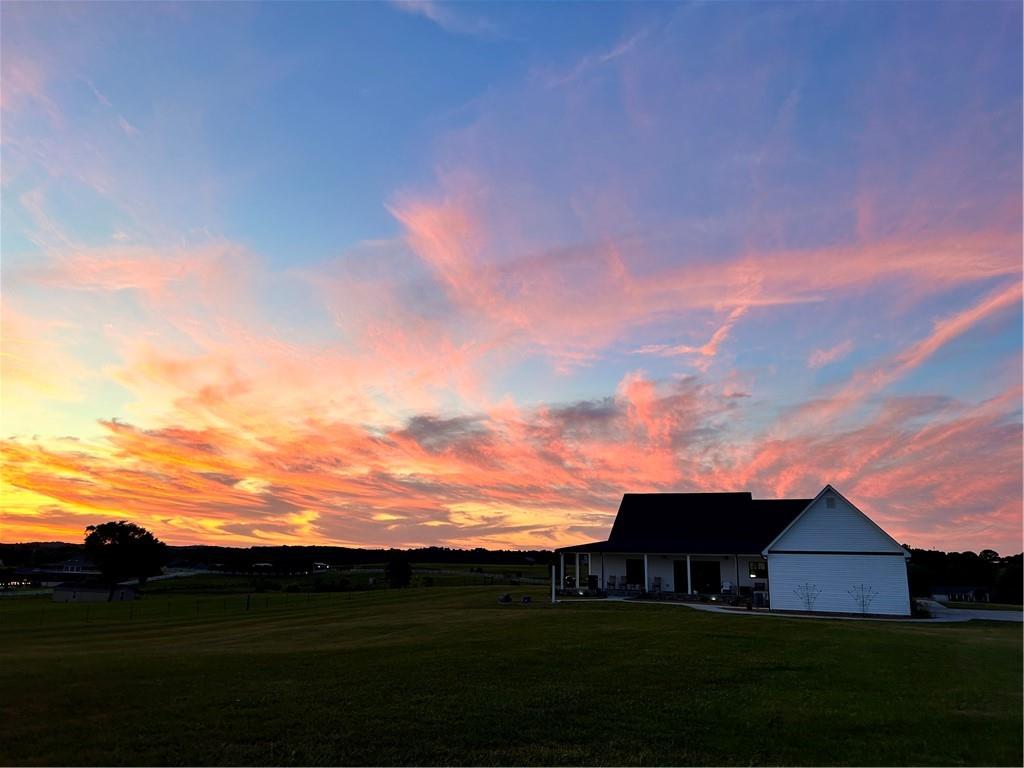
x: 1001, y: 578
x: 122, y: 550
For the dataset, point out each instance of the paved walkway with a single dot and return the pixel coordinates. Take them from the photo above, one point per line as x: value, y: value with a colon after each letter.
x: 940, y: 613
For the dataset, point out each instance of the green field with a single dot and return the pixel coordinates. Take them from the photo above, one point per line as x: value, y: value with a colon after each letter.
x: 359, y: 577
x: 448, y: 676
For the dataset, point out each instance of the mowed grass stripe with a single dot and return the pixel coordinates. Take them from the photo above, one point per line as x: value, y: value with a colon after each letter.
x: 448, y: 676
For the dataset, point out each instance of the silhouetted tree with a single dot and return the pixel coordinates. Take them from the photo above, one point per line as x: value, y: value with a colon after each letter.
x: 398, y: 571
x: 1010, y: 583
x: 123, y: 550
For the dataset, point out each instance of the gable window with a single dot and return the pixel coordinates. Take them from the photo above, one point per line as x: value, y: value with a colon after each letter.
x: 830, y: 502
x: 758, y: 569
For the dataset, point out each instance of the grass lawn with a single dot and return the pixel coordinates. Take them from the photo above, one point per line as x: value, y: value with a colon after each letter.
x: 533, y: 571
x: 449, y: 676
x: 979, y: 606
x: 438, y: 574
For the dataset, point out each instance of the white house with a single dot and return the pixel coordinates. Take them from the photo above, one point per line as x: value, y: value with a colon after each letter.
x: 821, y: 554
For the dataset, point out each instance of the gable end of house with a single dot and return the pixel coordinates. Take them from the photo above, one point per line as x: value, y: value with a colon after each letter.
x: 832, y: 524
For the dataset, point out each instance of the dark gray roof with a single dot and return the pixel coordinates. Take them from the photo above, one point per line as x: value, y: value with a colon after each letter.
x: 696, y: 523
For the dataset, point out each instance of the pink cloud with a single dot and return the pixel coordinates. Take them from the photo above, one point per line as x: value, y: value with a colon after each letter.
x: 130, y: 130
x: 707, y: 350
x: 923, y: 467
x: 821, y: 357
x: 572, y: 303
x: 876, y: 378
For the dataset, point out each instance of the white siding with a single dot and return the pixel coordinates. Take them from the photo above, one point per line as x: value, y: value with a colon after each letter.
x: 841, y: 529
x: 836, y: 575
x: 614, y: 565
x: 661, y: 565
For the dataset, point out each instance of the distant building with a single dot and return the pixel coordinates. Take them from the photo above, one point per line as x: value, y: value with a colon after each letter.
x: 76, y: 564
x: 821, y: 554
x: 77, y: 568
x: 72, y: 592
x: 321, y: 567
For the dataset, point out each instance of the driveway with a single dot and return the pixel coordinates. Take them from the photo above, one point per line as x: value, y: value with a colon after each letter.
x: 940, y: 611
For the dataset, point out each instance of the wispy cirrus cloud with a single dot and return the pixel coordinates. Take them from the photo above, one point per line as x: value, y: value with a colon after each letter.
x: 819, y: 358
x: 593, y: 61
x: 707, y: 350
x: 448, y: 16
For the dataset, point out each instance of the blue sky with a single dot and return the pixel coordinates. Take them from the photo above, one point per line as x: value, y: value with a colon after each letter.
x: 596, y: 247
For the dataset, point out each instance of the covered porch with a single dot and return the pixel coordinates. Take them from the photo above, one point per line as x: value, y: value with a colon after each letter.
x: 595, y: 570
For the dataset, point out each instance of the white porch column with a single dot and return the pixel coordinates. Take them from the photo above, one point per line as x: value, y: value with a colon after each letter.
x: 689, y: 588
x: 578, y: 587
x: 647, y: 583
x: 737, y: 587
x: 553, y: 569
x: 561, y: 570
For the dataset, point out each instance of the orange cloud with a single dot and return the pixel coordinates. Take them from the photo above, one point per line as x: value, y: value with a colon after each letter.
x: 252, y: 437
x: 512, y: 477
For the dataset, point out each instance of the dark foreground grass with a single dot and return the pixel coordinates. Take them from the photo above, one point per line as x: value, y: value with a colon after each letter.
x: 448, y: 676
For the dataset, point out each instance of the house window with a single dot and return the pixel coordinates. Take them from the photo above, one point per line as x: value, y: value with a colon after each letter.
x: 758, y: 569
x: 830, y: 502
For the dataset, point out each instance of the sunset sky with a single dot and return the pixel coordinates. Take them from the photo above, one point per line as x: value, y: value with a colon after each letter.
x: 427, y: 273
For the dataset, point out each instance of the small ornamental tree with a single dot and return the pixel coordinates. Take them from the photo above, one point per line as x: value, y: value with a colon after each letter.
x: 808, y: 594
x: 863, y: 596
x: 123, y: 550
